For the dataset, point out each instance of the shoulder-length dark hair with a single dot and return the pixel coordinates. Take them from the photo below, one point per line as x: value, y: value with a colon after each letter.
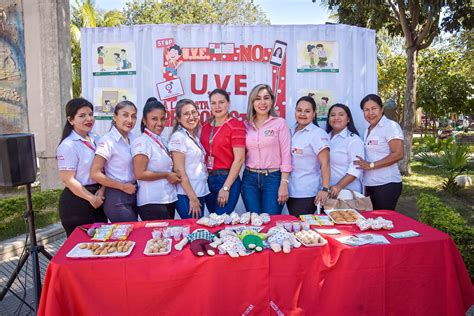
x: 72, y: 107
x: 150, y: 104
x: 313, y: 105
x: 350, y: 126
x: 120, y: 106
x: 179, y: 109
x: 371, y: 97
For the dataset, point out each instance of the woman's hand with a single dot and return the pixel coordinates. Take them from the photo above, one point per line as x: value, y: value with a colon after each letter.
x: 334, y: 191
x: 96, y: 201
x: 361, y: 163
x: 129, y: 188
x: 173, y: 178
x: 222, y: 197
x: 321, y: 197
x: 283, y: 193
x: 194, y: 207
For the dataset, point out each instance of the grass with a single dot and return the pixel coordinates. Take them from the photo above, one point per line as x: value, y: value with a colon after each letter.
x: 427, y: 180
x: 15, y: 225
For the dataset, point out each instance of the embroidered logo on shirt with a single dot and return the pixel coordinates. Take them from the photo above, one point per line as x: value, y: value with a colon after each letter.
x: 59, y: 157
x: 373, y: 142
x: 269, y: 132
x: 297, y: 151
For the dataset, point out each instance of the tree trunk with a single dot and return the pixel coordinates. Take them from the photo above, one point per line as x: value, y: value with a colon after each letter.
x: 409, y: 108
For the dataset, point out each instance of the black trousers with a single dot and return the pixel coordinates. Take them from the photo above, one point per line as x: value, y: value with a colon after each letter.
x: 301, y: 206
x: 75, y: 211
x: 149, y: 212
x: 384, y: 197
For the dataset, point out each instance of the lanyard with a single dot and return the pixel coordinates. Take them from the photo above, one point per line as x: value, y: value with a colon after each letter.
x: 195, y: 142
x: 158, y: 142
x: 88, y: 145
x: 212, y: 136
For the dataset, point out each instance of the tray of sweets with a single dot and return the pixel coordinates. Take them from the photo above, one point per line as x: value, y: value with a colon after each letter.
x: 344, y: 216
x: 310, y: 238
x: 157, y: 247
x: 111, y: 249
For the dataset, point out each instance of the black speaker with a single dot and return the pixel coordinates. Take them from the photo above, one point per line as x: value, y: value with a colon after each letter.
x: 17, y: 159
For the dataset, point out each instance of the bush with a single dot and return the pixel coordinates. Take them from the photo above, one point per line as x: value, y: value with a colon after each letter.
x: 17, y: 205
x: 435, y: 213
x: 430, y: 144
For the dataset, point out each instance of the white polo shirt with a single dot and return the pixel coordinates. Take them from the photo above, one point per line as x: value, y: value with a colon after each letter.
x: 306, y: 144
x: 377, y: 148
x: 345, y: 146
x: 195, y: 155
x: 113, y: 148
x: 158, y: 191
x: 73, y: 154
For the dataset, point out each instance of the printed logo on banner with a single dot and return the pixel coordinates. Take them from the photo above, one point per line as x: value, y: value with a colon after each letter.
x: 170, y: 89
x: 174, y: 56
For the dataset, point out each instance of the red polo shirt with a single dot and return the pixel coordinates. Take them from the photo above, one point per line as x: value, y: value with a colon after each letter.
x: 225, y: 138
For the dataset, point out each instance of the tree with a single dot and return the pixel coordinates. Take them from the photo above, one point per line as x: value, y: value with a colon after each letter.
x: 85, y: 14
x: 194, y: 12
x: 418, y: 21
x: 444, y: 88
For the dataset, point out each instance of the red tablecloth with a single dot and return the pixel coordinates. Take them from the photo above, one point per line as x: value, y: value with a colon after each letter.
x: 417, y: 276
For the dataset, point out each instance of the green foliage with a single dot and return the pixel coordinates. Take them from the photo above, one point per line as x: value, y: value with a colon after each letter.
x: 435, y: 213
x: 451, y: 162
x: 194, y: 12
x: 17, y: 205
x: 431, y: 144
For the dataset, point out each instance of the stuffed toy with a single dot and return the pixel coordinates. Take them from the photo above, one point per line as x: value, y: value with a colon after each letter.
x: 229, y: 243
x: 200, y: 240
x: 245, y: 218
x: 255, y: 219
x: 252, y: 240
x: 278, y: 237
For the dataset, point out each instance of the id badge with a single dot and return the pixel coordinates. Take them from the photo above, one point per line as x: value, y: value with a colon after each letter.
x: 210, y: 162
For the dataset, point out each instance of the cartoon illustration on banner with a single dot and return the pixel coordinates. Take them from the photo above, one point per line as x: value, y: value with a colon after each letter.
x: 114, y: 59
x: 317, y: 56
x: 105, y: 100
x: 200, y: 81
x: 323, y: 98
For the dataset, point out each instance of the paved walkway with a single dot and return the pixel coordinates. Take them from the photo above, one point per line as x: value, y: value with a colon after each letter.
x: 52, y: 237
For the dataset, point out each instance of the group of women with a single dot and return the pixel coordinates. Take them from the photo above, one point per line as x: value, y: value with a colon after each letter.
x: 121, y: 177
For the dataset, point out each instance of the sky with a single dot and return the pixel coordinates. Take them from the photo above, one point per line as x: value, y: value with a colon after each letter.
x: 278, y: 11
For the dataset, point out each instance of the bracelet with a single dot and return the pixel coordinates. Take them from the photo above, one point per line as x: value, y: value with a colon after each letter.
x: 285, y: 180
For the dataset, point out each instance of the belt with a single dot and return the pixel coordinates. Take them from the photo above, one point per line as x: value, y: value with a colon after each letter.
x: 263, y: 171
x: 218, y: 172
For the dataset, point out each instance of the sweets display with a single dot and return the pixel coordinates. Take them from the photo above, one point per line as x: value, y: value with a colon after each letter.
x: 310, y: 238
x: 344, y: 216
x: 158, y: 246
x: 102, y: 249
x: 374, y: 223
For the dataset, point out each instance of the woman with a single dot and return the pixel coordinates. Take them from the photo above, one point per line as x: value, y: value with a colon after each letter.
x: 268, y: 159
x: 223, y: 137
x: 153, y: 166
x: 81, y: 200
x: 346, y: 146
x: 189, y: 160
x: 113, y: 166
x: 383, y: 141
x: 309, y: 180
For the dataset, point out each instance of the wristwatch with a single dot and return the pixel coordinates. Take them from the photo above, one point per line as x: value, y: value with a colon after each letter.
x: 325, y: 189
x: 226, y: 188
x: 372, y: 165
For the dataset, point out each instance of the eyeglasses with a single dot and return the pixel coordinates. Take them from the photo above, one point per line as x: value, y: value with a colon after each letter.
x: 189, y: 114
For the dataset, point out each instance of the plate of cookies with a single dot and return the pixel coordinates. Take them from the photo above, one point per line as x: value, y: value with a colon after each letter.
x: 111, y: 249
x: 310, y: 238
x: 344, y: 216
x: 158, y: 247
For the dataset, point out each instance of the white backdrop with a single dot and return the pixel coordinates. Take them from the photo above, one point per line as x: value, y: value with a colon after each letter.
x: 356, y: 63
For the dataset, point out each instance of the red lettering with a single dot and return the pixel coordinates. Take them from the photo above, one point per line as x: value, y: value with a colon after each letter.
x: 245, y: 53
x: 257, y: 49
x: 220, y: 85
x: 204, y: 116
x: 239, y: 84
x: 203, y: 89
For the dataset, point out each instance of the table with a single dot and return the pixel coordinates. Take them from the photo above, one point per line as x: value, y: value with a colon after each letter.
x: 418, y: 276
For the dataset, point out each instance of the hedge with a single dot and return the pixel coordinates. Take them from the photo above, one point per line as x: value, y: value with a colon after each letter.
x: 17, y: 205
x: 435, y: 213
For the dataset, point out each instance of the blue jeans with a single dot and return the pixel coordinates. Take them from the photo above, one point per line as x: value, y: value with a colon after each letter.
x: 260, y: 192
x: 216, y: 182
x: 182, y: 206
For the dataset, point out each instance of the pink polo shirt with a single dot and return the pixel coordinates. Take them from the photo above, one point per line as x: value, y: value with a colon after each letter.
x: 268, y: 147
